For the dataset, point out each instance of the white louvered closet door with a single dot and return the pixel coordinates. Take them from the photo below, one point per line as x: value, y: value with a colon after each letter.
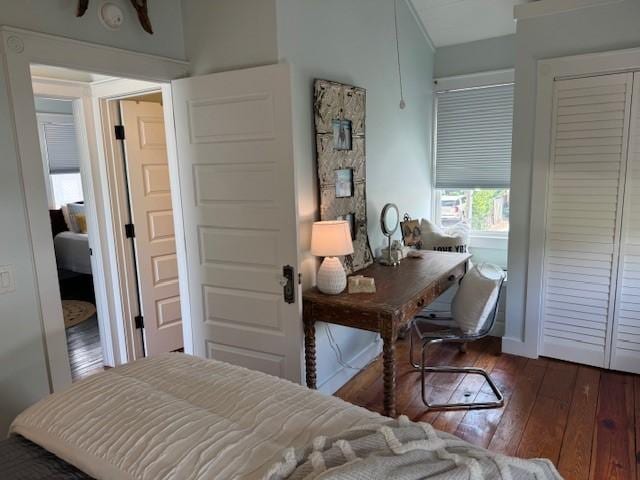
x: 587, y: 171
x: 625, y: 352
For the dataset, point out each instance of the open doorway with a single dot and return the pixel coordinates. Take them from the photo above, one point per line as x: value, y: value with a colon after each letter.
x: 110, y: 207
x: 66, y: 198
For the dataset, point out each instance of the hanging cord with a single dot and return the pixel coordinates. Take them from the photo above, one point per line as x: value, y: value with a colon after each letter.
x: 395, y: 16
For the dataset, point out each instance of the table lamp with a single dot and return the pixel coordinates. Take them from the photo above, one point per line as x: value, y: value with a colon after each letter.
x: 330, y: 240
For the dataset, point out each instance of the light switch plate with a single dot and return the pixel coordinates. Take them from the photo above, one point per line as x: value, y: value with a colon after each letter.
x: 7, y: 279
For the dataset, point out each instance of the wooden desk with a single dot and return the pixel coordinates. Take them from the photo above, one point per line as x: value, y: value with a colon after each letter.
x: 402, y: 292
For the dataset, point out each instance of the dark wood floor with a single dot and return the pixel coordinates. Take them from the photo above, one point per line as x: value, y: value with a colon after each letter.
x: 586, y: 420
x: 85, y: 350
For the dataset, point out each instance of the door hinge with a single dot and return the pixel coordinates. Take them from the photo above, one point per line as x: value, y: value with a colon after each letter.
x: 130, y: 230
x: 139, y: 321
x: 119, y: 131
x: 299, y: 279
x: 91, y: 252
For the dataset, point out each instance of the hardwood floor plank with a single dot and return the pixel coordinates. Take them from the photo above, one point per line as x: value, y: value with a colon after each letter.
x: 480, y: 426
x: 542, y: 437
x: 85, y: 349
x: 614, y: 445
x: 559, y: 381
x: 575, y: 455
x: 469, y: 390
x: 508, y: 433
x: 586, y: 420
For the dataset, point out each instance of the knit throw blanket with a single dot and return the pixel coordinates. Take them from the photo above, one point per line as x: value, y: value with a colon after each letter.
x: 403, y: 450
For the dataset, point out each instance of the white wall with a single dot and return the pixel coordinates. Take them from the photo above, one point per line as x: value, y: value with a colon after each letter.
x: 482, y: 56
x: 229, y: 34
x: 23, y: 375
x: 58, y: 17
x: 595, y: 29
x: 353, y: 42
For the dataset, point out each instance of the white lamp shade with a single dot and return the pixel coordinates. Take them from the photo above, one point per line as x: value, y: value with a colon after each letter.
x: 331, y: 239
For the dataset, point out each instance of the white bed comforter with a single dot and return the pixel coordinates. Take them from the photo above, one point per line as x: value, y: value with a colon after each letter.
x: 180, y: 417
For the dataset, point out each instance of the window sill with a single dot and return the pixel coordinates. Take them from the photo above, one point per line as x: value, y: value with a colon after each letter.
x: 497, y: 242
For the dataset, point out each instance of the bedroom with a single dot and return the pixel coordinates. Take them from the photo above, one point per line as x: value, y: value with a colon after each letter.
x: 350, y: 42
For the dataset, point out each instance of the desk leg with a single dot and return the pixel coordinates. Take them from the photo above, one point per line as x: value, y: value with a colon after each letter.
x: 389, y: 365
x: 310, y: 350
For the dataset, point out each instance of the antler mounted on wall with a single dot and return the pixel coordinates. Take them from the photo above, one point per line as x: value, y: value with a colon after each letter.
x: 139, y: 5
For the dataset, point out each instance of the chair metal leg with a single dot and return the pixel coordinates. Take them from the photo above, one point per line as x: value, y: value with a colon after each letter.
x: 499, y: 402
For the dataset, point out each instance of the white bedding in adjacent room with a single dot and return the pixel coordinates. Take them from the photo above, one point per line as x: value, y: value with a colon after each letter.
x: 72, y: 252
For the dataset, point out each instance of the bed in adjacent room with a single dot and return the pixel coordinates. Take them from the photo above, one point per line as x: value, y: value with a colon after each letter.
x: 181, y: 417
x: 70, y: 238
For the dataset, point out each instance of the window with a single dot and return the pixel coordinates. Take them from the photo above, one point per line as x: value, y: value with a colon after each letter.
x: 61, y: 158
x: 473, y: 157
x: 484, y: 209
x: 66, y: 188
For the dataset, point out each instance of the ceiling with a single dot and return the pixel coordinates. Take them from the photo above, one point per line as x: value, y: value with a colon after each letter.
x: 450, y: 22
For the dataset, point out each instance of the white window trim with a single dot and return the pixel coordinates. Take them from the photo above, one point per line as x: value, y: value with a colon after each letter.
x: 474, y: 80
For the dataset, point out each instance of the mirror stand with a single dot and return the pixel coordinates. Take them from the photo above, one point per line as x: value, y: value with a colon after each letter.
x: 389, y: 221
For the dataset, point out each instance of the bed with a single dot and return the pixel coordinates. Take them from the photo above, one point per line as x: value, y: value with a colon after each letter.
x: 179, y: 417
x: 72, y: 252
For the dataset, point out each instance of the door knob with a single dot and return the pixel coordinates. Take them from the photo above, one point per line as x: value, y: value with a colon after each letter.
x: 286, y: 282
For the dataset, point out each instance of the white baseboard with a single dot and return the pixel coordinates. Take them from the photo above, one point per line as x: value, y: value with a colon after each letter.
x: 343, y: 375
x: 515, y: 346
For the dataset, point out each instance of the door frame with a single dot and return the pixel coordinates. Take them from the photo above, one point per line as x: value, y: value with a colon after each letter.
x: 21, y: 48
x: 80, y: 96
x: 106, y: 96
x: 548, y: 71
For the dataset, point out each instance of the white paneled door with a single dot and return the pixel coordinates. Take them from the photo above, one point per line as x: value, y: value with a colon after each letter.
x: 584, y: 207
x: 625, y: 353
x: 152, y: 215
x: 235, y: 150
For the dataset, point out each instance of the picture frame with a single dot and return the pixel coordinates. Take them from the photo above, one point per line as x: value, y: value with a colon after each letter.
x: 411, y: 233
x: 342, y: 136
x: 344, y: 183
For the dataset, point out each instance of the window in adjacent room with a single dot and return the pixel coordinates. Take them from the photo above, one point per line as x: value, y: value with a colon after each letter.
x: 62, y: 160
x: 473, y: 158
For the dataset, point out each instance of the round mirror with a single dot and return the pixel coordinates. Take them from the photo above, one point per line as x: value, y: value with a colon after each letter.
x: 389, y: 219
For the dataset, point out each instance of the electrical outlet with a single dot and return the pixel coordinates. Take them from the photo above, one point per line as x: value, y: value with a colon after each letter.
x: 7, y: 279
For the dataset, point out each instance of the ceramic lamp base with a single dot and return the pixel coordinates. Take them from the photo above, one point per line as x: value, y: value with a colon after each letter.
x: 332, y: 278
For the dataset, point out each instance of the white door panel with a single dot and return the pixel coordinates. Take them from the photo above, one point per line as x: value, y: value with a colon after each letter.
x: 626, y: 329
x: 587, y: 169
x: 234, y: 139
x: 152, y: 215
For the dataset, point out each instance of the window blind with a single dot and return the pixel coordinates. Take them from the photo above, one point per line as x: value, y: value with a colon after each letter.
x: 473, y: 143
x: 61, y: 147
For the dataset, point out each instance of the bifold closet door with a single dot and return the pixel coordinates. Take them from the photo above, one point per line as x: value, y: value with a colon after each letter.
x: 588, y: 154
x: 625, y: 352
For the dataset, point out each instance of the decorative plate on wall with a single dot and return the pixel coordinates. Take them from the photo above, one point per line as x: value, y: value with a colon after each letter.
x: 340, y: 144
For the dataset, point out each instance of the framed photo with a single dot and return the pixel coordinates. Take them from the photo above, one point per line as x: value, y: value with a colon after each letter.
x: 342, y: 135
x: 411, y: 233
x: 344, y: 183
x: 350, y: 218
